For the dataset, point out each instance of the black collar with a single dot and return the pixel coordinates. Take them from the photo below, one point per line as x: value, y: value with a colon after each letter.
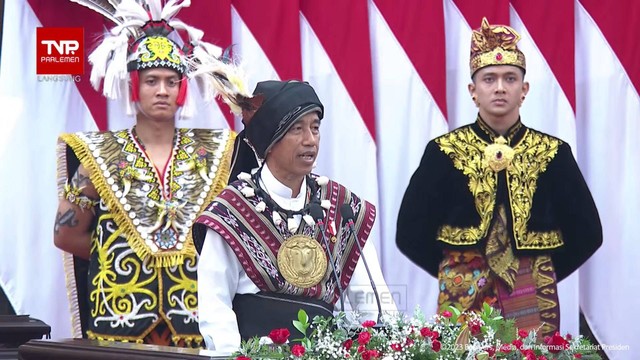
x: 513, y: 135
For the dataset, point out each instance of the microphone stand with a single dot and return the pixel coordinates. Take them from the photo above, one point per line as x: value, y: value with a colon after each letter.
x: 347, y: 218
x: 315, y: 211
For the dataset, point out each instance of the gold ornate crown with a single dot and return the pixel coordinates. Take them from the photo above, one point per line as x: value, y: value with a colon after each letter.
x: 495, y: 45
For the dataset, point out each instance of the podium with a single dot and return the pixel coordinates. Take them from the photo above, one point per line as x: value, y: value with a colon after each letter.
x: 82, y: 349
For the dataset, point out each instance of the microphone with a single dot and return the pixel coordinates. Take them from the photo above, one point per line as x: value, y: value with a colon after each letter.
x: 347, y: 218
x: 315, y: 210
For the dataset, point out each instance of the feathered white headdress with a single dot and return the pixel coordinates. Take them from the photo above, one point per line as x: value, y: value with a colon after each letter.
x: 140, y: 40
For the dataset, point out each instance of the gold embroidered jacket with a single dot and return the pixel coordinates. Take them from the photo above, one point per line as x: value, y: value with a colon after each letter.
x: 142, y: 268
x: 452, y: 197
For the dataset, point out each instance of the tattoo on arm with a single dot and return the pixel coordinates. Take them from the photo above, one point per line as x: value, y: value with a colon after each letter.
x: 66, y: 219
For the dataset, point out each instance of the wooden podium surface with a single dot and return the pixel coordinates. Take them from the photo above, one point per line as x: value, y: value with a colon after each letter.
x: 77, y: 349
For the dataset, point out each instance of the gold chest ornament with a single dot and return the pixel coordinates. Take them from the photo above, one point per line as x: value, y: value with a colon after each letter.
x: 302, y: 261
x: 498, y: 155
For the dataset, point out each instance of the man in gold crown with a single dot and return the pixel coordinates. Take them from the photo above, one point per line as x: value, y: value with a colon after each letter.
x: 128, y: 198
x: 497, y: 211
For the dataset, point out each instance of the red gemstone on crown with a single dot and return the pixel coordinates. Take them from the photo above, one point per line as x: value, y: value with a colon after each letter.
x: 499, y: 56
x: 499, y: 155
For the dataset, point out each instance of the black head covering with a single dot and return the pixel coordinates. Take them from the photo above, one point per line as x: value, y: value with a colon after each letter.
x: 284, y: 103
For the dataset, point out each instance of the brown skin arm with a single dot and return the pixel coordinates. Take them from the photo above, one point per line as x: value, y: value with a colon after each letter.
x: 72, y: 229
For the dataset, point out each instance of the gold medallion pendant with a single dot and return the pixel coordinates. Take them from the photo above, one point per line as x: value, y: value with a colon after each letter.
x: 302, y: 261
x: 499, y: 155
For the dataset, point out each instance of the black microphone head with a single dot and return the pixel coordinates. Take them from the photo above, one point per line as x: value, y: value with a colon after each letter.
x: 347, y: 213
x: 315, y: 210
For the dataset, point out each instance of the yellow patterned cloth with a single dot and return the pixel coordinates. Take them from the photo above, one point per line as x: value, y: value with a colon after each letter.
x: 142, y: 270
x: 523, y: 288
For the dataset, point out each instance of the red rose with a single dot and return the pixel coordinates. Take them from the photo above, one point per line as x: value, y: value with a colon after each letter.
x: 361, y: 349
x: 542, y: 357
x: 279, y: 336
x: 474, y: 327
x: 370, y: 354
x: 425, y: 332
x: 368, y: 323
x: 523, y: 333
x: 297, y: 350
x: 436, y: 345
x: 241, y: 357
x: 491, y: 351
x: 434, y: 335
x: 396, y: 347
x: 529, y: 354
x: 364, y: 337
x: 517, y: 343
x: 556, y: 343
x: 347, y: 344
x: 409, y: 342
x: 578, y: 356
x: 447, y: 314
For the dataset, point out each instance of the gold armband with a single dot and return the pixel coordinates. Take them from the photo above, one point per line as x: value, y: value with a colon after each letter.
x: 75, y: 196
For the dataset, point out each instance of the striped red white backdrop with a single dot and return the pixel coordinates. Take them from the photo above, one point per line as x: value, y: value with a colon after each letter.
x: 392, y: 74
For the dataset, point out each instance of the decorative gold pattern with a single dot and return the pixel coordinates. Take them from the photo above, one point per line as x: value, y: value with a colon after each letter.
x: 302, y: 261
x: 129, y: 184
x: 533, y: 154
x: 497, y: 56
x: 136, y: 290
x: 498, y: 155
x: 159, y: 48
x: 547, y: 293
x: 499, y: 252
x: 495, y: 45
x: 465, y: 149
x: 531, y: 157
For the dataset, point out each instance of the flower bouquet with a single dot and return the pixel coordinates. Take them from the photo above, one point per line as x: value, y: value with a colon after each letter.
x: 449, y: 335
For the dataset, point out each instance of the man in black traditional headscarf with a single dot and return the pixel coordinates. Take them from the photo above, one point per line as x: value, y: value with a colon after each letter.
x: 263, y: 256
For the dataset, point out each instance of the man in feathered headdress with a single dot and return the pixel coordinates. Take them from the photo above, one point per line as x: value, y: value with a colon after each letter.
x: 128, y: 198
x: 497, y: 211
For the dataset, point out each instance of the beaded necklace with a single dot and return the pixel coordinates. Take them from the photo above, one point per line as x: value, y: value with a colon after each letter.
x: 313, y: 196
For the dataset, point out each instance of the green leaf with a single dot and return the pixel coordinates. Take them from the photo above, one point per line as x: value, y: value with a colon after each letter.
x: 303, y: 317
x: 487, y: 309
x: 301, y: 327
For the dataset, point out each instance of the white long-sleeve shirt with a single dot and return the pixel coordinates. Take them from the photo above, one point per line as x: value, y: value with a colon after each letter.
x: 221, y: 276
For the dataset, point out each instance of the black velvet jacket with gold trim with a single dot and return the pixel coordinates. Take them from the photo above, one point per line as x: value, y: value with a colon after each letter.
x: 451, y: 198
